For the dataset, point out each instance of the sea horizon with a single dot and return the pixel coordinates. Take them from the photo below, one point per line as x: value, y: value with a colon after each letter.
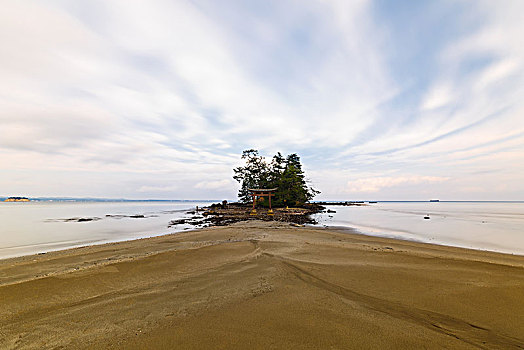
x: 108, y: 199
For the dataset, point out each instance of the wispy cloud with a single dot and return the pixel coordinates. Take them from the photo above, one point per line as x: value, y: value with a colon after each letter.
x: 376, y: 184
x: 214, y: 185
x: 160, y: 98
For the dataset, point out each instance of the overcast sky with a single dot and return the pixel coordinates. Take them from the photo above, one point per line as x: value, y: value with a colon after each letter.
x: 406, y: 100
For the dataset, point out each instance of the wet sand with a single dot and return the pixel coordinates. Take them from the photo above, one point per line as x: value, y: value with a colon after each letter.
x: 263, y: 285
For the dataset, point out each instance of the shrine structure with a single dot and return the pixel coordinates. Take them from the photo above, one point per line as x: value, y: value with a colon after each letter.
x: 262, y: 192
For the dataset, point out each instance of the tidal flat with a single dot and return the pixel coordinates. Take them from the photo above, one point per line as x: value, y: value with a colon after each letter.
x: 262, y: 285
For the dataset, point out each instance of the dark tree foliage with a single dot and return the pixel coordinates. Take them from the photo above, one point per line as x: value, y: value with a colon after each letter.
x: 285, y: 174
x: 254, y: 174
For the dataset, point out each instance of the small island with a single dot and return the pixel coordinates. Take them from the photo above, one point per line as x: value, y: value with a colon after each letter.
x: 269, y: 191
x: 17, y: 199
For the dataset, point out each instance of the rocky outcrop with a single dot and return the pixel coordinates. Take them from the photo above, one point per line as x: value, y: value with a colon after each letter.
x: 222, y: 215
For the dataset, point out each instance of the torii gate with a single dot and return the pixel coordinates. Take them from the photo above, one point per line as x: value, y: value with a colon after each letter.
x: 262, y: 192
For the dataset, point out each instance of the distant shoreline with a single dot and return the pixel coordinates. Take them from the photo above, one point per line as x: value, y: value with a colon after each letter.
x: 17, y: 199
x: 118, y: 200
x: 109, y: 200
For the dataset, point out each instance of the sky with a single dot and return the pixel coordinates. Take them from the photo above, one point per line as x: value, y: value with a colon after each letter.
x: 382, y: 100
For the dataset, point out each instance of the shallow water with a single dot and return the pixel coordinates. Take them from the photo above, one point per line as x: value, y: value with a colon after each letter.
x: 35, y: 227
x: 494, y: 226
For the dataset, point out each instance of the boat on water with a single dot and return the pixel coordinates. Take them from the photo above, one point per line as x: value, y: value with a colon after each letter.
x: 434, y: 200
x: 17, y: 199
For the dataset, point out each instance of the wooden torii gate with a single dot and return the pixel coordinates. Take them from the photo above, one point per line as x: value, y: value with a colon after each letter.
x: 262, y: 192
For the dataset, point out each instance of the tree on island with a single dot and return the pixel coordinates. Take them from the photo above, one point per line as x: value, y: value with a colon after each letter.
x: 285, y: 174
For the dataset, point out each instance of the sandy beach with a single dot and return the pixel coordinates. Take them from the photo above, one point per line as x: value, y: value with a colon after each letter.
x: 263, y: 285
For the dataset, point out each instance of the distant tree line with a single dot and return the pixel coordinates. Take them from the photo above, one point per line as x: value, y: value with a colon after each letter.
x: 285, y: 174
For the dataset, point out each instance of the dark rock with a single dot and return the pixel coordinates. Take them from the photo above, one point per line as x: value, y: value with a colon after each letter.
x: 218, y: 215
x: 82, y: 219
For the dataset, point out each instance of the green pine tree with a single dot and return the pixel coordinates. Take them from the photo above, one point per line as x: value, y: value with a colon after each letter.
x: 285, y: 174
x: 254, y: 174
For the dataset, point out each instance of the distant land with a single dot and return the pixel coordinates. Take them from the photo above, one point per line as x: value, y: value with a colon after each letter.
x: 89, y: 199
x: 17, y: 199
x: 95, y: 199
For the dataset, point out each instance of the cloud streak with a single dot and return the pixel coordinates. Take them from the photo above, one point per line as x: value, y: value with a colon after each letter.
x: 159, y: 99
x: 376, y: 184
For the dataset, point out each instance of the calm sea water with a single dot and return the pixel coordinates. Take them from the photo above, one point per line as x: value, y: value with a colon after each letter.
x: 34, y: 227
x: 29, y: 228
x: 495, y: 226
